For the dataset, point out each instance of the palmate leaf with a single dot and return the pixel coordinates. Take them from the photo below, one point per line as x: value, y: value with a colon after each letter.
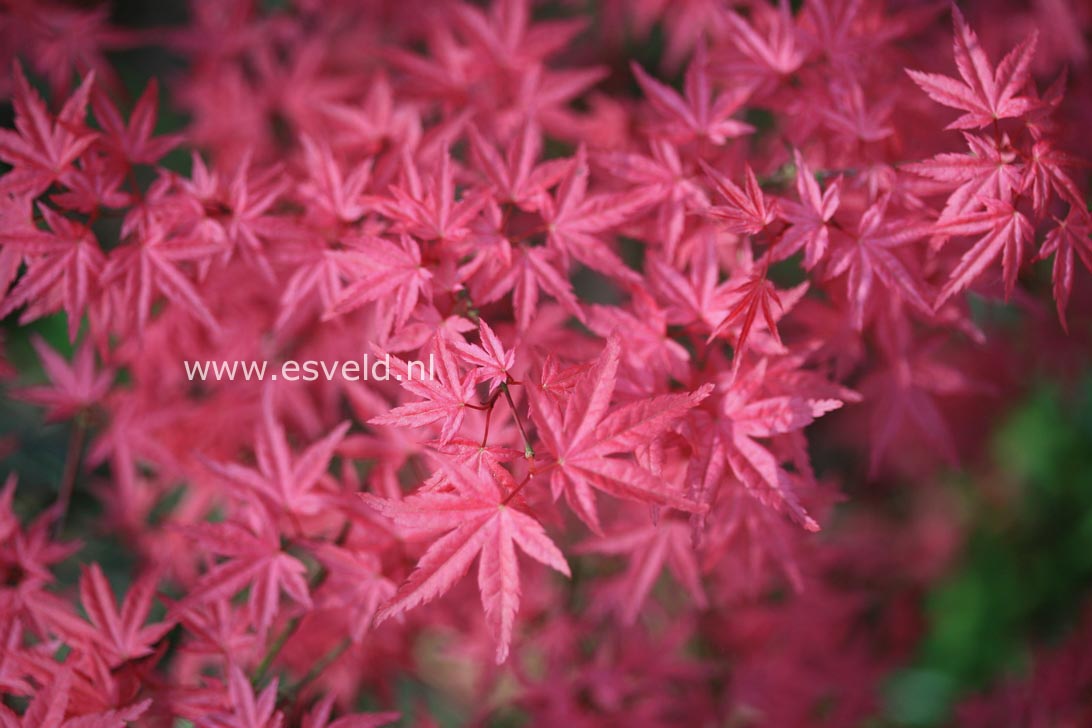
x: 47, y: 709
x: 122, y: 635
x: 1007, y: 232
x: 72, y: 387
x: 650, y: 548
x: 755, y: 295
x: 491, y: 361
x: 1068, y: 240
x: 518, y: 177
x: 443, y: 400
x: 141, y: 271
x: 396, y: 277
x: 870, y: 257
x: 575, y: 220
x: 285, y: 482
x: 255, y: 562
x: 986, y: 94
x: 585, y: 437
x: 62, y: 266
x: 750, y: 414
x: 809, y: 218
x: 696, y: 114
x: 747, y: 211
x: 41, y: 148
x: 480, y: 523
x: 985, y: 171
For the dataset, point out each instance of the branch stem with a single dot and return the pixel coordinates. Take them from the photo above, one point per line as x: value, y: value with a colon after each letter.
x: 72, y: 461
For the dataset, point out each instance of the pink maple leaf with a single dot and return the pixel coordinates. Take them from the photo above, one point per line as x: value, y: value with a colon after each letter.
x: 41, y: 148
x: 48, y: 707
x: 254, y: 561
x: 72, y: 387
x: 122, y: 635
x: 584, y: 436
x: 1007, y: 232
x: 286, y: 483
x: 63, y: 269
x: 988, y: 170
x: 244, y: 709
x: 809, y: 219
x: 754, y: 295
x: 517, y: 177
x: 427, y: 208
x: 779, y: 53
x: 491, y: 361
x: 396, y: 277
x: 870, y: 255
x: 986, y: 94
x: 133, y: 141
x: 148, y: 267
x: 573, y: 220
x: 749, y: 413
x: 696, y: 114
x: 328, y: 191
x: 747, y: 212
x: 478, y: 520
x: 443, y: 400
x: 1071, y: 236
x: 668, y: 179
x: 651, y: 547
x: 320, y: 716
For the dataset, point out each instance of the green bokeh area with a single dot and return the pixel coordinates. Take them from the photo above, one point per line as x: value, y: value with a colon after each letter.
x: 1026, y: 568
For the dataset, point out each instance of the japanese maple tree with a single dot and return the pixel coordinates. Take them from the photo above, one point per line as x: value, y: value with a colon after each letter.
x: 643, y: 288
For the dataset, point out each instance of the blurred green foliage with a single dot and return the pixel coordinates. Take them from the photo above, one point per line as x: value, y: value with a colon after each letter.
x: 1026, y: 567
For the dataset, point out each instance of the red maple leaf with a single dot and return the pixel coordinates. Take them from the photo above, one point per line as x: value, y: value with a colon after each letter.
x: 427, y: 208
x: 1007, y: 232
x: 1069, y: 237
x: 695, y: 114
x: 48, y: 709
x: 63, y: 269
x: 583, y: 438
x: 122, y: 636
x: 988, y: 170
x: 747, y: 212
x: 72, y: 387
x: 750, y: 412
x: 477, y: 519
x: 809, y: 218
x: 320, y: 717
x: 778, y: 54
x: 244, y: 708
x: 255, y: 562
x: 518, y: 178
x: 651, y: 547
x: 443, y: 399
x: 396, y: 277
x: 870, y: 255
x: 41, y: 148
x: 133, y: 141
x: 756, y: 294
x: 141, y: 270
x: 329, y: 192
x: 671, y: 183
x: 491, y: 361
x: 574, y: 219
x: 286, y: 483
x: 986, y: 94
x: 530, y: 272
